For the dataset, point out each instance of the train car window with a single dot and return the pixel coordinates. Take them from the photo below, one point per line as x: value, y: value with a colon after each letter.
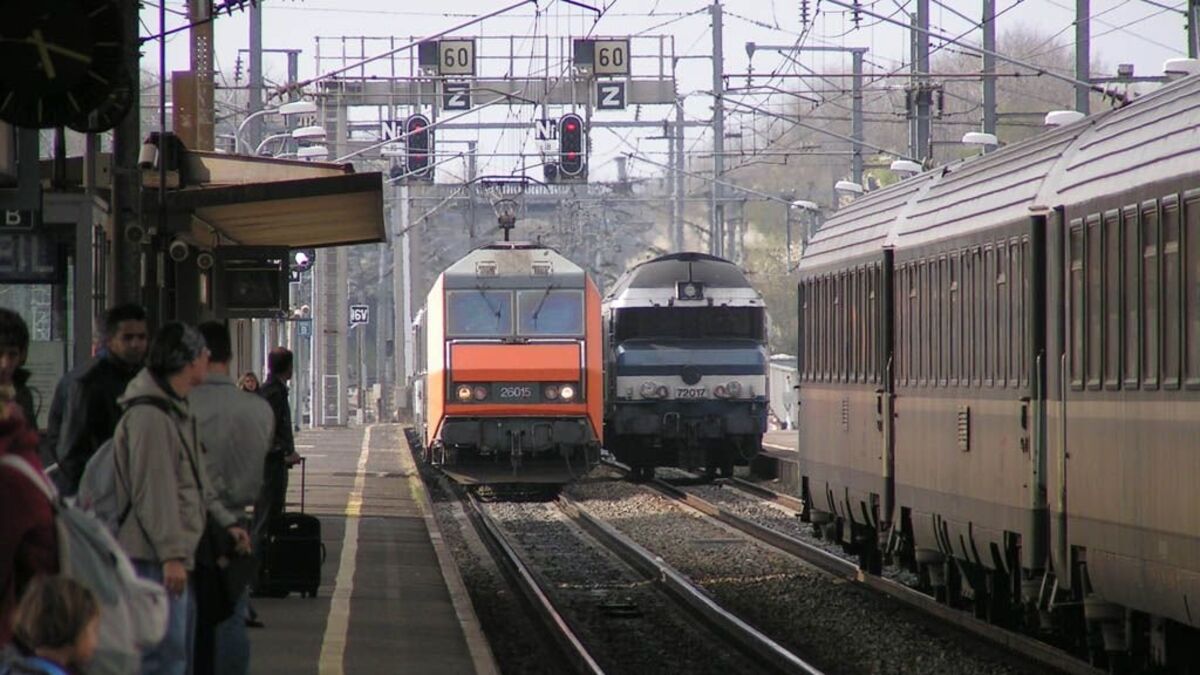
x: 690, y: 322
x: 479, y: 313
x: 1018, y: 311
x: 980, y: 309
x: 954, y: 348
x: 1003, y: 303
x: 802, y: 330
x: 1191, y: 239
x: 921, y: 325
x: 826, y: 330
x: 1093, y: 304
x: 1131, y: 294
x: 1150, y: 293
x: 1112, y: 299
x: 852, y: 310
x: 839, y: 327
x: 943, y: 326
x: 864, y: 318
x: 910, y: 325
x: 1171, y: 312
x: 902, y: 321
x: 968, y: 317
x: 1075, y: 302
x: 872, y: 324
x: 549, y: 312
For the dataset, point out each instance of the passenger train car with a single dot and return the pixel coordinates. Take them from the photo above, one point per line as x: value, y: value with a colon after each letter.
x: 1000, y: 380
x: 510, y: 365
x: 687, y: 365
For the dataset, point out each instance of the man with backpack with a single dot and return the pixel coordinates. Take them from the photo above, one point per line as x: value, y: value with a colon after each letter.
x: 235, y: 429
x: 162, y: 478
x: 85, y: 411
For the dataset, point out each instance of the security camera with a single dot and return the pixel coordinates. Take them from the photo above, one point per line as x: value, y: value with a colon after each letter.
x: 135, y: 234
x: 148, y: 155
x: 205, y: 260
x: 178, y: 250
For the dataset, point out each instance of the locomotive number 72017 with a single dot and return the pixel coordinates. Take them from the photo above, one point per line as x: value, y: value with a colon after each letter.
x: 690, y: 392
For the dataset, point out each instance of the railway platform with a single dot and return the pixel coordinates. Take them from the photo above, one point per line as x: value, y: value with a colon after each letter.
x: 778, y: 460
x: 390, y: 600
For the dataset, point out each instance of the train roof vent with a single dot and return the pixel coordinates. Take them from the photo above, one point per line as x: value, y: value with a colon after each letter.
x: 485, y: 268
x: 542, y: 269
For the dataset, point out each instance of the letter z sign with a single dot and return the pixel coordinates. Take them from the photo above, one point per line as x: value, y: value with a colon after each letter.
x: 456, y: 96
x: 610, y: 95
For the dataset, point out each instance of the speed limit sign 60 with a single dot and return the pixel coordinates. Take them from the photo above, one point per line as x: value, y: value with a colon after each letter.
x: 456, y: 57
x: 611, y: 57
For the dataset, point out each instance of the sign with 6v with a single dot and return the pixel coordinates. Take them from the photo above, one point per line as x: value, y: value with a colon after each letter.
x: 359, y: 315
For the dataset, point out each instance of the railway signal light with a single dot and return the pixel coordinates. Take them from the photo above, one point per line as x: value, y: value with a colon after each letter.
x: 572, y: 146
x: 418, y: 141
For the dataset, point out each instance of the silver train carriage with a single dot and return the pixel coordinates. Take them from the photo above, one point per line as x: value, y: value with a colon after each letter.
x: 686, y: 365
x: 1000, y: 380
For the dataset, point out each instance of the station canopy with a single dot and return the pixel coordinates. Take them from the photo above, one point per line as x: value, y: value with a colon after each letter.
x: 257, y: 201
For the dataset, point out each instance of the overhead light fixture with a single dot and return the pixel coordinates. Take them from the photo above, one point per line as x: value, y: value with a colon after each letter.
x: 805, y: 205
x: 313, y: 133
x: 1061, y: 118
x: 297, y: 108
x: 848, y: 186
x: 906, y: 167
x: 980, y: 138
x: 313, y: 152
x: 1177, y: 68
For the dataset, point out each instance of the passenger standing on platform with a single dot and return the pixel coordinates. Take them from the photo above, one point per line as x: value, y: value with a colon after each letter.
x: 57, y: 625
x: 283, y: 448
x: 90, y: 411
x: 249, y: 382
x: 236, y: 430
x: 28, y: 547
x: 161, y: 473
x: 14, y: 347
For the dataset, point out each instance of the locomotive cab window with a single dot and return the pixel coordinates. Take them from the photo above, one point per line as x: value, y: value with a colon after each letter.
x: 549, y: 312
x: 690, y: 322
x: 479, y: 313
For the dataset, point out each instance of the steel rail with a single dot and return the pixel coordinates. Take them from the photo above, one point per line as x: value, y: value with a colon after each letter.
x: 748, y: 638
x: 1026, y: 646
x: 519, y: 575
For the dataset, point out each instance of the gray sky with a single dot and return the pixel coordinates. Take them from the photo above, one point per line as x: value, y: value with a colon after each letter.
x: 1124, y: 31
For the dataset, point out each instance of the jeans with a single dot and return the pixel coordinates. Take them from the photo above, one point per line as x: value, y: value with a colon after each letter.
x: 233, y: 640
x: 172, y: 656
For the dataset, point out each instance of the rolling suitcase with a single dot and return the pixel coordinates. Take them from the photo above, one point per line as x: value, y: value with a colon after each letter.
x: 294, y: 552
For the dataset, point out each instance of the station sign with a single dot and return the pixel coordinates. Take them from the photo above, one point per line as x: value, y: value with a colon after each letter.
x: 360, y: 315
x: 29, y: 257
x: 17, y: 220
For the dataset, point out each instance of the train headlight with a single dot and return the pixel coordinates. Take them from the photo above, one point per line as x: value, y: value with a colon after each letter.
x: 734, y: 389
x: 567, y: 392
x: 480, y: 392
x: 720, y: 391
x: 649, y: 389
x: 463, y: 391
x: 662, y: 391
x: 551, y: 391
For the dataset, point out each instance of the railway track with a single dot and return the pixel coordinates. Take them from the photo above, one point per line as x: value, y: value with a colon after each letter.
x: 771, y: 527
x: 609, y: 604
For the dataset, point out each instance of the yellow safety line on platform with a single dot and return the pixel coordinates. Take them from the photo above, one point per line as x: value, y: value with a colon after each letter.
x: 337, y: 626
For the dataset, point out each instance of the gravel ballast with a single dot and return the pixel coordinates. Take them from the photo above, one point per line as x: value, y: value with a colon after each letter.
x: 628, y: 625
x: 844, y: 629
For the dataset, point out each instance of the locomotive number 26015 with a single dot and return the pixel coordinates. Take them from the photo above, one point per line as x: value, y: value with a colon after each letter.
x: 515, y: 392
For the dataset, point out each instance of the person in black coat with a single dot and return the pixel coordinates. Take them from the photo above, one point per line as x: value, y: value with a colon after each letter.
x: 86, y: 410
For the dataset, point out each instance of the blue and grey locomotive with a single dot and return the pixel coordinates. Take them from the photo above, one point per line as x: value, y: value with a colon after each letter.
x: 686, y: 365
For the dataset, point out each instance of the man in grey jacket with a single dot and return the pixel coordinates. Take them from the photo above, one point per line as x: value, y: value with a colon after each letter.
x: 162, y: 477
x: 235, y: 429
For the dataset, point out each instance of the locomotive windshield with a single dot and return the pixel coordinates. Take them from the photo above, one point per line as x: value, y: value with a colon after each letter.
x: 550, y: 312
x: 479, y: 313
x: 690, y: 322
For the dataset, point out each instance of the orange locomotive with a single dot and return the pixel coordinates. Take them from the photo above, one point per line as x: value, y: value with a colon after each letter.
x: 509, y: 365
